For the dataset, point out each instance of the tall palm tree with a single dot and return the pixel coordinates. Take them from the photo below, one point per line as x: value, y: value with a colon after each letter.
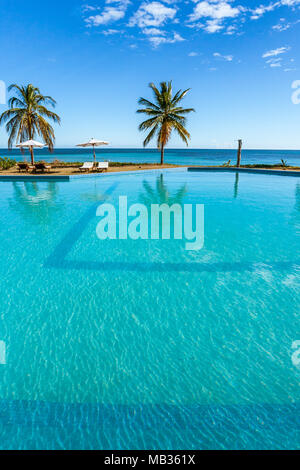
x: 165, y: 115
x: 27, y: 116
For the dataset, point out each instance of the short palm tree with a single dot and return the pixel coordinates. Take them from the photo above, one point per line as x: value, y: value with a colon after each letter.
x: 27, y: 116
x: 165, y: 115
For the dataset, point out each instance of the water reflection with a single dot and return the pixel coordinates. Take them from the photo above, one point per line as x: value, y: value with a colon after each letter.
x: 35, y: 202
x: 160, y: 194
x: 236, y: 185
x: 95, y: 195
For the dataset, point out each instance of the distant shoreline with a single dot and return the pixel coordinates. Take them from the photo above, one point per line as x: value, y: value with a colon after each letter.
x: 72, y: 170
x: 146, y: 150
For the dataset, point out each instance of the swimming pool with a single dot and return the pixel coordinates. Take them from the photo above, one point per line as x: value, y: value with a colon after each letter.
x: 141, y: 344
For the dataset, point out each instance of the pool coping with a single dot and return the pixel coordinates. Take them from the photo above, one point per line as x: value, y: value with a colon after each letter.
x: 84, y: 176
x: 8, y: 178
x: 263, y: 171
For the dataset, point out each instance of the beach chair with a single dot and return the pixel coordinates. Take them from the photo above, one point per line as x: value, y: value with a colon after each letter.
x: 41, y: 167
x: 87, y: 166
x: 23, y: 167
x: 102, y: 166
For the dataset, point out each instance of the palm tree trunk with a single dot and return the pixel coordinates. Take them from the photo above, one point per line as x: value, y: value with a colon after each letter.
x: 162, y: 152
x: 30, y: 135
x: 32, y: 156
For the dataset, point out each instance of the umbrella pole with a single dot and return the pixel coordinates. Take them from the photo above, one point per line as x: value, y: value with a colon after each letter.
x: 94, y: 154
x: 32, y: 157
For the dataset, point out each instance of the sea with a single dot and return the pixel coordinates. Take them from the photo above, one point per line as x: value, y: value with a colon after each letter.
x: 172, y: 156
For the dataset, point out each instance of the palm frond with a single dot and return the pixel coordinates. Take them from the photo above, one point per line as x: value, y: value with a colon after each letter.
x: 179, y: 96
x: 148, y: 124
x: 165, y: 115
x: 150, y: 135
x: 144, y: 102
x: 28, y: 115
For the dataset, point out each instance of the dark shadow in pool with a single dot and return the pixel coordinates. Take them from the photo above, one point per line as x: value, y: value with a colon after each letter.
x: 58, y: 255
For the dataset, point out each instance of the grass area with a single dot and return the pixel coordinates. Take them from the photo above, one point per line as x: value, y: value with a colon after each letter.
x: 277, y: 165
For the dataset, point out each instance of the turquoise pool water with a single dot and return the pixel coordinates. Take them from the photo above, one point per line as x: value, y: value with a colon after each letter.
x: 124, y: 344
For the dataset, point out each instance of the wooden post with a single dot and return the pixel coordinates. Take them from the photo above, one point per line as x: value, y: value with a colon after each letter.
x: 239, y: 155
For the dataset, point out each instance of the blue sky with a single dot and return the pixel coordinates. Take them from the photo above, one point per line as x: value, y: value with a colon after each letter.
x: 97, y: 57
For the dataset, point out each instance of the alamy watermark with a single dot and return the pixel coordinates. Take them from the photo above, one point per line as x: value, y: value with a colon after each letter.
x: 296, y: 353
x: 165, y: 222
x: 296, y: 94
x: 2, y: 353
x: 2, y: 92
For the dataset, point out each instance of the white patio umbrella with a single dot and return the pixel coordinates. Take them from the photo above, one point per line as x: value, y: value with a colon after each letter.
x: 93, y: 143
x: 31, y: 144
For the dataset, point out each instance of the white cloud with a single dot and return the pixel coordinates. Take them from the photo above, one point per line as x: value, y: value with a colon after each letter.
x: 158, y: 40
x: 274, y: 58
x: 228, y: 58
x: 231, y: 30
x: 215, y: 12
x: 193, y: 54
x: 275, y: 64
x: 214, y: 9
x: 275, y: 52
x: 283, y: 26
x: 86, y: 8
x: 152, y: 14
x: 154, y: 32
x: 213, y: 26
x: 290, y: 3
x: 113, y: 11
x: 262, y: 9
x: 110, y: 32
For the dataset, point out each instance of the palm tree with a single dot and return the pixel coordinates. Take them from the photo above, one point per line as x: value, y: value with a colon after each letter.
x: 165, y: 115
x: 27, y: 116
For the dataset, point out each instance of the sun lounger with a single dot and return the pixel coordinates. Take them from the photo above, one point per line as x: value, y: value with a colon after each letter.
x: 23, y: 167
x: 87, y: 166
x: 41, y: 167
x: 102, y: 166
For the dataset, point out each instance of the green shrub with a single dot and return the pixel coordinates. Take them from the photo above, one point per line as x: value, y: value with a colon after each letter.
x: 6, y: 163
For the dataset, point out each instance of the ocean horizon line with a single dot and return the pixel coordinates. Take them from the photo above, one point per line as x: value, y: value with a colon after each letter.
x: 153, y: 149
